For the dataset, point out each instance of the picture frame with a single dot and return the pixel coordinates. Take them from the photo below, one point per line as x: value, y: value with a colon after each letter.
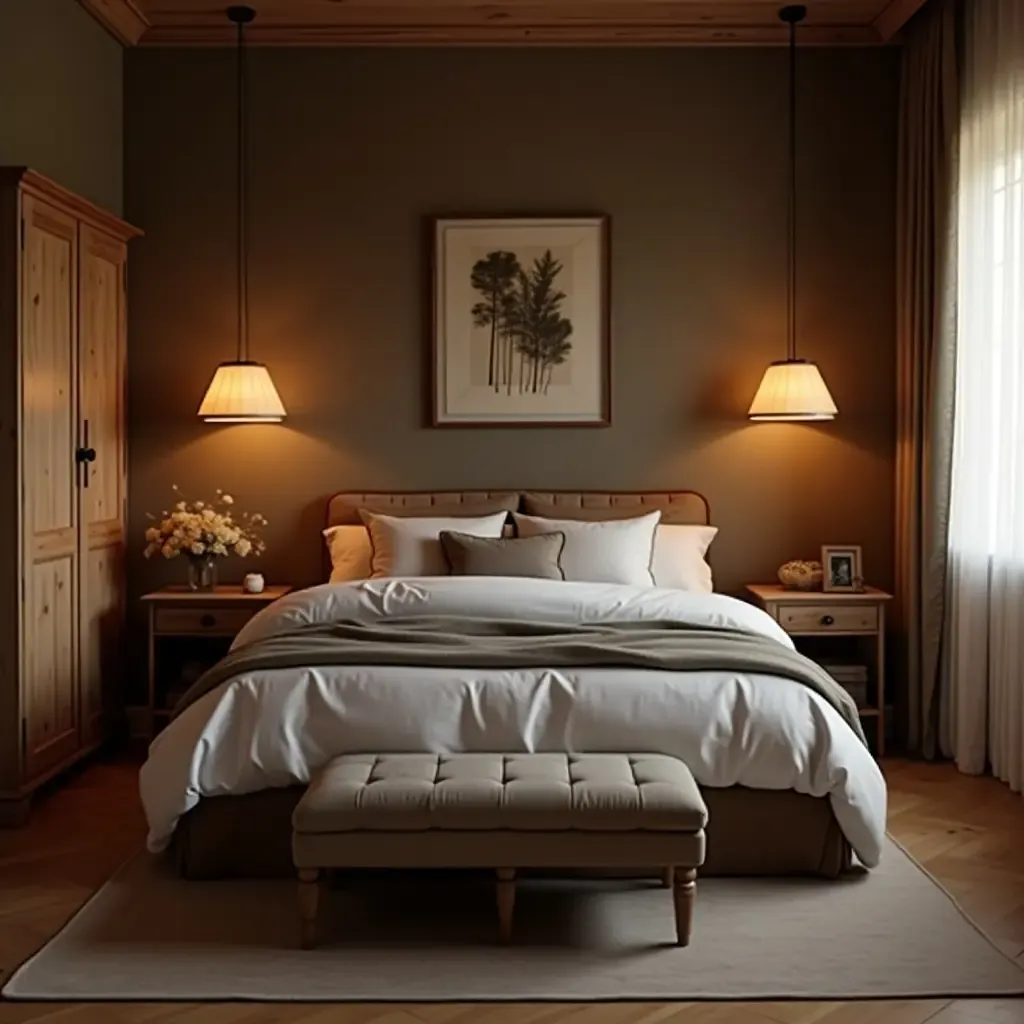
x: 520, y: 321
x: 842, y: 569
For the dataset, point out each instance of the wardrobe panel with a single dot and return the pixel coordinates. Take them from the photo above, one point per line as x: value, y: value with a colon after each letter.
x: 48, y: 442
x: 49, y: 342
x: 102, y: 476
x: 51, y: 698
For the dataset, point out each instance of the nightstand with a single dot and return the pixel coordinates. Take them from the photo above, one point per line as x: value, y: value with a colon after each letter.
x: 189, y: 631
x: 841, y: 631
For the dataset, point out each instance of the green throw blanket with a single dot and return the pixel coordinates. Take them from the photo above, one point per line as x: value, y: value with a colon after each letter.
x: 464, y: 642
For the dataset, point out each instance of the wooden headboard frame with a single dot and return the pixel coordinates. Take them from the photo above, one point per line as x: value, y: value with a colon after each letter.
x: 681, y: 507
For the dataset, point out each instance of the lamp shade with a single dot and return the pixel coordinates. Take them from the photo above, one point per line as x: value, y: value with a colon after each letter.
x: 793, y: 389
x: 242, y: 392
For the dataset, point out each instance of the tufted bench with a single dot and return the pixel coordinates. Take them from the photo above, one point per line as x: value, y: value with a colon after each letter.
x: 502, y: 811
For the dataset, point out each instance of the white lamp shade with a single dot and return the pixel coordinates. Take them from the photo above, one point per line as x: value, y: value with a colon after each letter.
x: 242, y: 393
x: 793, y: 390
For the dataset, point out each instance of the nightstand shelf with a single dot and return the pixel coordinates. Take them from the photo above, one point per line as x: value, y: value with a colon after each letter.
x: 837, y: 628
x: 188, y: 632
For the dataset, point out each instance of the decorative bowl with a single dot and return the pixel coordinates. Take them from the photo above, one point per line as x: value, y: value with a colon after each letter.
x: 800, y: 575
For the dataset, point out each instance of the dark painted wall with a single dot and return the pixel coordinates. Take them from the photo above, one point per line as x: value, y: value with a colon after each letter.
x: 684, y: 149
x: 60, y: 97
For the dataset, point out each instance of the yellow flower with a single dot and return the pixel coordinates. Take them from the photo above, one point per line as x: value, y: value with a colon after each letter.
x: 227, y: 499
x: 198, y: 549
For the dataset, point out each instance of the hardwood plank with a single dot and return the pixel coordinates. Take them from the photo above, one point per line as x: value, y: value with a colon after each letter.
x: 964, y: 830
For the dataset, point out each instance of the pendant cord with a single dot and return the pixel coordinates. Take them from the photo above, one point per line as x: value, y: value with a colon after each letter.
x: 791, y: 295
x: 243, y: 202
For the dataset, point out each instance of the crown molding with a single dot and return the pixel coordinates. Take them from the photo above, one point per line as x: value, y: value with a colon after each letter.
x: 121, y: 18
x: 640, y: 23
x: 894, y: 16
x: 48, y: 190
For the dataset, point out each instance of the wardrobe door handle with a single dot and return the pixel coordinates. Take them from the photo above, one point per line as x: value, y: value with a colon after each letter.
x: 828, y: 620
x: 85, y: 454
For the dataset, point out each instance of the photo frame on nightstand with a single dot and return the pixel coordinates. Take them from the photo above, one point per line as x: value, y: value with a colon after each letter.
x: 842, y: 569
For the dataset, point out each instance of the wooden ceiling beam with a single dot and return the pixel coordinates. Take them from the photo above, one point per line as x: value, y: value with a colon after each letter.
x: 511, y: 35
x: 121, y: 18
x: 894, y: 16
x: 502, y: 23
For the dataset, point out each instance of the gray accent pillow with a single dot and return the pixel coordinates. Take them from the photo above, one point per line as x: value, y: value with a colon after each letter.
x: 537, y: 557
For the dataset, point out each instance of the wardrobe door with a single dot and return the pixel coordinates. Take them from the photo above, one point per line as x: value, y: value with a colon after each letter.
x: 50, y: 512
x: 102, y: 471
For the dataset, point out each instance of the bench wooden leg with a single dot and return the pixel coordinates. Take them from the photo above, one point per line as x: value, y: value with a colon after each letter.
x: 683, y: 889
x: 309, y: 897
x: 506, y: 901
x: 666, y: 877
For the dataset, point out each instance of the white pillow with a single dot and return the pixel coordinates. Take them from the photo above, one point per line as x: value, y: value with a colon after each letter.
x: 411, y: 546
x: 610, y: 551
x: 679, y: 557
x: 351, y: 553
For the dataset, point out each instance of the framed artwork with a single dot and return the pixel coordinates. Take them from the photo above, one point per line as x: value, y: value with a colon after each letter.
x: 520, y: 322
x: 842, y: 571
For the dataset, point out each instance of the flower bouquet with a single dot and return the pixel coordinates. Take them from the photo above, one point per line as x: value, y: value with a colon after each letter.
x: 203, y: 532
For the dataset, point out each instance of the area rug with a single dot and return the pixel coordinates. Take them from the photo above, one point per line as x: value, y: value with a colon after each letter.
x: 890, y: 933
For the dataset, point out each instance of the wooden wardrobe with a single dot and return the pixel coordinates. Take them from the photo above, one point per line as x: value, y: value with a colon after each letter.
x: 63, y: 476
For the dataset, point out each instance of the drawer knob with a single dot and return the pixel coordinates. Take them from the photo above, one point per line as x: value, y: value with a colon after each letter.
x: 827, y: 620
x: 207, y: 621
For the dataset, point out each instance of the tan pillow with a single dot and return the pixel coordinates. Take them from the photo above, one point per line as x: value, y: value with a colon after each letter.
x: 514, y: 556
x: 351, y: 553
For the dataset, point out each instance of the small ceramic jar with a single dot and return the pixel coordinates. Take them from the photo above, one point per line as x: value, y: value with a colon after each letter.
x: 253, y: 583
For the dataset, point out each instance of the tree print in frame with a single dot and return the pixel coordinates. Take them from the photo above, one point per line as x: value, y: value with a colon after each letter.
x: 520, y: 321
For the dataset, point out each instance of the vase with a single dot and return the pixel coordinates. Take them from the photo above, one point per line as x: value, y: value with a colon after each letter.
x: 202, y: 572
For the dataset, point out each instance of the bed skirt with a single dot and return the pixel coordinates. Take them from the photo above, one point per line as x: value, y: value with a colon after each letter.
x: 750, y: 832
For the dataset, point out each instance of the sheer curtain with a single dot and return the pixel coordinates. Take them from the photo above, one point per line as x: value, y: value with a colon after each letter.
x: 983, y: 719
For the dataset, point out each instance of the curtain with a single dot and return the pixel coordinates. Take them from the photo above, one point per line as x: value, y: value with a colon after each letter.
x: 926, y: 353
x: 984, y: 722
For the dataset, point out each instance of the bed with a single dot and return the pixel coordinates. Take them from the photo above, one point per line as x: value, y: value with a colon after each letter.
x: 774, y: 760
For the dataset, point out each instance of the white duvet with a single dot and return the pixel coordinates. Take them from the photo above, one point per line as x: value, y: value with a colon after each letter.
x: 274, y: 728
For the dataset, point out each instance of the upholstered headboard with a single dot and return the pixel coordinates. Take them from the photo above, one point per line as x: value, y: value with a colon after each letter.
x: 677, y: 507
x: 343, y: 509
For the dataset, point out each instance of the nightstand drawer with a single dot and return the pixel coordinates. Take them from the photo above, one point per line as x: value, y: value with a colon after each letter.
x: 828, y: 618
x: 215, y: 621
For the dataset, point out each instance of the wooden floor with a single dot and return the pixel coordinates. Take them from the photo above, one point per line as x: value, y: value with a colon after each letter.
x: 968, y: 832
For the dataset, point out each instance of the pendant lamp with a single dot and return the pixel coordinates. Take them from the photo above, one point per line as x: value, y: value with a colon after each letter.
x: 792, y: 388
x: 242, y: 391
